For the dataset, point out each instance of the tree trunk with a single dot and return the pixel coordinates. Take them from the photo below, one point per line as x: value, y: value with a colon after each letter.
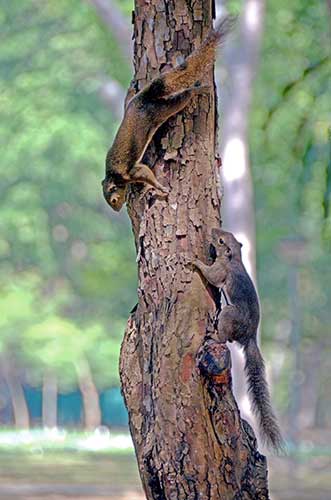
x: 190, y: 442
x: 5, y: 404
x: 20, y: 409
x: 92, y: 412
x: 49, y: 400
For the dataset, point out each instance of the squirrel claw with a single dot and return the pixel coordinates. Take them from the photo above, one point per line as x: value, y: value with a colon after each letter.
x: 187, y: 260
x: 164, y: 195
x: 160, y: 192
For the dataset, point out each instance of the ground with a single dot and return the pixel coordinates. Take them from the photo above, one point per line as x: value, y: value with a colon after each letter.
x: 37, y: 472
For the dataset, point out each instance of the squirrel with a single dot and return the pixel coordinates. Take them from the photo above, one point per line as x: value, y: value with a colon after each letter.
x: 238, y: 321
x: 165, y: 96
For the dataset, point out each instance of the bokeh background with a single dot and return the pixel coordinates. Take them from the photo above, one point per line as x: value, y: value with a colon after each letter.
x: 67, y: 265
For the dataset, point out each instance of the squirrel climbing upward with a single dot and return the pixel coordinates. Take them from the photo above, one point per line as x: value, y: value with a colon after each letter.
x: 148, y: 110
x: 239, y: 320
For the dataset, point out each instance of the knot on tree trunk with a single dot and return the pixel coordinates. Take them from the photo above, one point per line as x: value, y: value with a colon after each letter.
x: 214, y: 362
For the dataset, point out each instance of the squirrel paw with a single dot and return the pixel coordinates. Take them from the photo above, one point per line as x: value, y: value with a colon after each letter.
x: 160, y: 192
x: 163, y: 192
x: 187, y: 260
x: 202, y: 89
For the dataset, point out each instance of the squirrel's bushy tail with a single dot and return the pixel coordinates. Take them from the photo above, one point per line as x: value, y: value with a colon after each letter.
x: 200, y: 61
x: 260, y: 397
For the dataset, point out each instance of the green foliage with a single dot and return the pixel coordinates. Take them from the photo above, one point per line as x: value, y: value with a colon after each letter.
x: 290, y: 147
x: 126, y: 6
x: 290, y: 123
x: 67, y: 268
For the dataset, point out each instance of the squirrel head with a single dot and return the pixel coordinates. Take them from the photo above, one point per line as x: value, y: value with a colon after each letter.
x: 225, y: 245
x: 114, y: 195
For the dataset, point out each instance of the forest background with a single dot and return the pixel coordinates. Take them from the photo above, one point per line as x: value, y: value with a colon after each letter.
x: 67, y: 264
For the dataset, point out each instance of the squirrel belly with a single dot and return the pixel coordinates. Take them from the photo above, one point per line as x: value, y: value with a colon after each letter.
x: 239, y: 321
x: 164, y: 97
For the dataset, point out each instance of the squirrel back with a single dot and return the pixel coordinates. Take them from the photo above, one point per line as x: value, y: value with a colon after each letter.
x: 260, y: 397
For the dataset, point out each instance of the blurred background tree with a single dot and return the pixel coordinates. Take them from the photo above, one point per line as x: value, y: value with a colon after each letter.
x: 67, y: 265
x: 67, y: 269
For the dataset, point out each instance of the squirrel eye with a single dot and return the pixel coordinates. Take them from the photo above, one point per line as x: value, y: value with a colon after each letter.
x: 221, y: 241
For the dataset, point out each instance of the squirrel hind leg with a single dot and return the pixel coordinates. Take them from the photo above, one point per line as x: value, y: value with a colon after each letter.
x: 167, y: 107
x: 228, y: 323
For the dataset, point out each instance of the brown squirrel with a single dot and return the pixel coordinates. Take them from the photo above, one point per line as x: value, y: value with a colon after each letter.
x: 148, y: 110
x: 239, y: 320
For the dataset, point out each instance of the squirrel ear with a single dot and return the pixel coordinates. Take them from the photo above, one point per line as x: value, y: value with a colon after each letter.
x: 241, y: 245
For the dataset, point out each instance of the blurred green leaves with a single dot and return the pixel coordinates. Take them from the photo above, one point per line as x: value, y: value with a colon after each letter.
x: 67, y: 269
x: 67, y: 265
x: 290, y: 150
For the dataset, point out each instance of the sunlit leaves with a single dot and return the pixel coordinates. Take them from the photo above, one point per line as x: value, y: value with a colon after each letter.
x: 54, y: 224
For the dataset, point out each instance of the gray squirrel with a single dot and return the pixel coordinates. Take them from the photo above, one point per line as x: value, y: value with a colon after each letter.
x: 239, y: 321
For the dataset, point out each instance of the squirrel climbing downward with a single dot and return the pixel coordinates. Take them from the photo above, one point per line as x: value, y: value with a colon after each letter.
x: 239, y: 321
x: 148, y: 110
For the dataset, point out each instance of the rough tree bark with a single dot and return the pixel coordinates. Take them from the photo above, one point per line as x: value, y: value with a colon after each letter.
x: 189, y: 439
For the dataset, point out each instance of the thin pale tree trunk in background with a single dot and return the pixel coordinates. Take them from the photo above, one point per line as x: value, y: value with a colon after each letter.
x: 4, y: 400
x: 113, y: 94
x: 111, y: 91
x: 241, y: 60
x: 20, y: 409
x: 238, y: 210
x: 112, y: 17
x: 92, y: 412
x: 49, y: 400
x: 190, y: 442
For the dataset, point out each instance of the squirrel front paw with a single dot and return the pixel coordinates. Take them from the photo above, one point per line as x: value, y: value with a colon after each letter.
x: 155, y: 191
x: 163, y: 192
x: 188, y: 260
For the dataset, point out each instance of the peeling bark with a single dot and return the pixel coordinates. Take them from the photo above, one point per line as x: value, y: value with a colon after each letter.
x: 176, y: 376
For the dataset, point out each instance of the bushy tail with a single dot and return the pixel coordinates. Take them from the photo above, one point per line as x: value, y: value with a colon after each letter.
x: 200, y: 61
x: 260, y: 397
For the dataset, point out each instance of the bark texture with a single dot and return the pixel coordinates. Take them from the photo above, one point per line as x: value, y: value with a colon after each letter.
x: 176, y: 375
